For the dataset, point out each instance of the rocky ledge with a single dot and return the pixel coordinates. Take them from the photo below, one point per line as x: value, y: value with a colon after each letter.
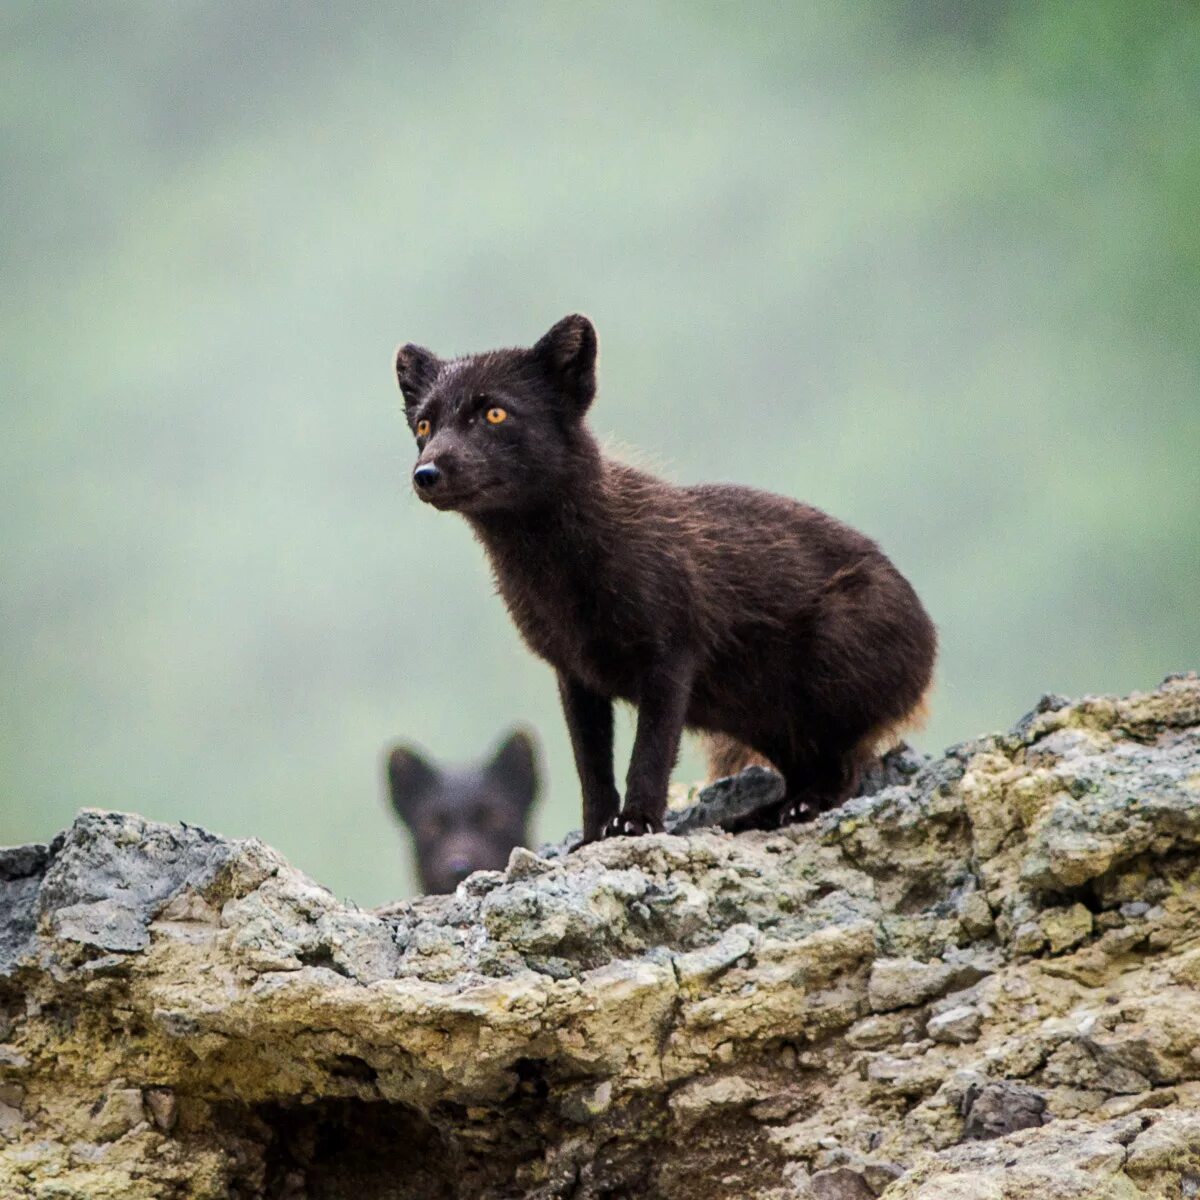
x: 981, y: 983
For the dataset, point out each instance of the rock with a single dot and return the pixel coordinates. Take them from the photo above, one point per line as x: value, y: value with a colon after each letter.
x: 911, y: 1075
x: 1172, y: 1143
x: 118, y: 1112
x: 104, y: 924
x: 1066, y: 927
x: 880, y: 1175
x: 996, y: 1109
x: 522, y: 864
x: 1063, y: 1161
x: 11, y: 1119
x: 1028, y: 938
x: 892, y: 1000
x: 899, y: 766
x: 959, y: 1024
x: 975, y: 914
x: 875, y: 1032
x: 162, y: 1106
x: 901, y: 982
x: 22, y: 862
x: 21, y: 871
x: 729, y: 802
x: 704, y: 1097
x: 586, y: 1104
x: 840, y: 1183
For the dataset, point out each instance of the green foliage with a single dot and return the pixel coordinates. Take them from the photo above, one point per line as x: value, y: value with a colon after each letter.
x: 934, y: 267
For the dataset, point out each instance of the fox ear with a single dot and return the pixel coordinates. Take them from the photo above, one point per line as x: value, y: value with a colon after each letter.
x: 410, y: 779
x: 416, y: 369
x: 514, y: 768
x: 568, y: 353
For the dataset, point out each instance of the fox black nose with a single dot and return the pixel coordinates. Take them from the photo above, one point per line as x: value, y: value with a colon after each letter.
x: 426, y: 477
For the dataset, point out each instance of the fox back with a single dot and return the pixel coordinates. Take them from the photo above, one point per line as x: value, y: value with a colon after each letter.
x: 748, y: 615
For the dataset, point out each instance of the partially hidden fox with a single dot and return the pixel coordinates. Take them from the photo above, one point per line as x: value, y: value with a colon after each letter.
x: 763, y: 622
x: 464, y: 819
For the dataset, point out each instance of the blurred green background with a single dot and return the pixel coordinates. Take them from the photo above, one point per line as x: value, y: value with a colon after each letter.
x: 933, y: 266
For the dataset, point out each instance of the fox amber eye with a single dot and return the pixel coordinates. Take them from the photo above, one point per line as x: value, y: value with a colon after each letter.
x: 422, y: 429
x: 496, y: 415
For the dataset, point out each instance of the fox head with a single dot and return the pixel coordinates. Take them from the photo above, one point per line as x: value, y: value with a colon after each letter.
x: 502, y: 430
x: 464, y: 820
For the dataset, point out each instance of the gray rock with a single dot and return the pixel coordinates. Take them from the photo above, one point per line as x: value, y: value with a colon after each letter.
x: 524, y: 863
x: 879, y: 1175
x: 101, y: 882
x: 21, y: 871
x: 133, y: 863
x: 22, y: 862
x: 999, y: 1108
x: 901, y: 982
x: 897, y: 768
x: 840, y: 1183
x: 728, y: 802
x: 104, y: 924
x: 956, y: 1025
x: 770, y: 1014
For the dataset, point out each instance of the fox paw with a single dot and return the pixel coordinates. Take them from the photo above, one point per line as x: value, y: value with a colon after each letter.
x: 797, y: 812
x: 632, y: 825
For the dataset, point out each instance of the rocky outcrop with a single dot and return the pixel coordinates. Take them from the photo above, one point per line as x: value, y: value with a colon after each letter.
x: 983, y: 983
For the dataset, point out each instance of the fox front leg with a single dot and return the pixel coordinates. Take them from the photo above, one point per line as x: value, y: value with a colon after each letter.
x: 662, y: 707
x: 590, y: 724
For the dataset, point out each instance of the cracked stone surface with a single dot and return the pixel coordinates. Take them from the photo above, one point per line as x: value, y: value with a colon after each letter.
x: 980, y: 981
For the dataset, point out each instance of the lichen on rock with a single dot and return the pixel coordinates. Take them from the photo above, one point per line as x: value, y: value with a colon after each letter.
x: 980, y: 981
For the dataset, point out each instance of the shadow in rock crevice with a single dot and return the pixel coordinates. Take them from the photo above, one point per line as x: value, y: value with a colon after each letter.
x: 347, y: 1149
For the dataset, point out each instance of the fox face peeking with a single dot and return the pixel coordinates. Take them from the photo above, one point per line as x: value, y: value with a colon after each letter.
x: 464, y: 819
x: 499, y: 431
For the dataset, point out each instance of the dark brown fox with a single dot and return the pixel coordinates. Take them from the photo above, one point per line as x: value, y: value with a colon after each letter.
x: 725, y: 609
x: 464, y: 819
